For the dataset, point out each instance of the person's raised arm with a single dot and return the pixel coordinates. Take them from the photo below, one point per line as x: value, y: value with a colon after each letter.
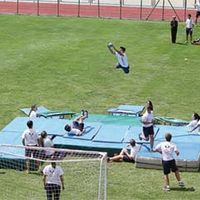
x: 111, y: 49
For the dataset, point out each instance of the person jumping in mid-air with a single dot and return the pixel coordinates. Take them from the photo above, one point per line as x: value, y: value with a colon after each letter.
x: 121, y: 57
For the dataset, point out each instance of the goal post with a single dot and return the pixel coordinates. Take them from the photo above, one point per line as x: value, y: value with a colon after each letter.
x: 84, y: 173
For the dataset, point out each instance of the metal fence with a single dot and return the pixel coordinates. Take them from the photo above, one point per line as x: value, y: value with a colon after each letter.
x: 122, y: 9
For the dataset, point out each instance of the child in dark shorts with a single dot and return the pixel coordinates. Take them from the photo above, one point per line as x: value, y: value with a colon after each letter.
x: 77, y: 126
x: 167, y: 149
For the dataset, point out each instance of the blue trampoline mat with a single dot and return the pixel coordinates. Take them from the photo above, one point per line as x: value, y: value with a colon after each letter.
x: 52, y: 126
x: 111, y: 133
x: 134, y: 132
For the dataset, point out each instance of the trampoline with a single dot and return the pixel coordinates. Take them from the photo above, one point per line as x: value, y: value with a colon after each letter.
x: 110, y: 134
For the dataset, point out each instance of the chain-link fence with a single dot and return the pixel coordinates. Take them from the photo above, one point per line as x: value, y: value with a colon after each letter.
x: 122, y: 9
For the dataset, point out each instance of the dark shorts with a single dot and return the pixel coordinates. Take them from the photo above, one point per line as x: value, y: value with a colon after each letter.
x: 52, y: 190
x: 78, y: 125
x: 148, y: 131
x: 31, y: 152
x: 127, y: 159
x: 169, y: 166
x: 125, y: 69
x: 188, y: 31
x: 197, y: 14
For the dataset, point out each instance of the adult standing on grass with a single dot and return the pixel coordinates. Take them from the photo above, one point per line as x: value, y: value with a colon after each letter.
x: 197, y: 6
x: 148, y: 130
x: 174, y: 28
x: 30, y: 139
x: 121, y: 57
x: 167, y: 149
x: 53, y: 181
x: 189, y: 27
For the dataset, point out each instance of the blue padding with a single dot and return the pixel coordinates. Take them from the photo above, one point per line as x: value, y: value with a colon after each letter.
x: 40, y: 109
x: 87, y: 143
x: 51, y: 126
x: 91, y: 129
x: 134, y: 132
x: 14, y: 138
x: 176, y: 131
x: 111, y: 133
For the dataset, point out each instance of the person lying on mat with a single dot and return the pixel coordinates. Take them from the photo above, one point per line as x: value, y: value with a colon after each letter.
x: 77, y: 127
x: 127, y: 154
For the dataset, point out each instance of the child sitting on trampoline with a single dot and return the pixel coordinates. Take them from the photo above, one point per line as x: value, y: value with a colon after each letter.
x: 77, y: 127
x: 127, y: 155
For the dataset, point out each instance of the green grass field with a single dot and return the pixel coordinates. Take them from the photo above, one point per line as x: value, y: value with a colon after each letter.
x: 63, y: 63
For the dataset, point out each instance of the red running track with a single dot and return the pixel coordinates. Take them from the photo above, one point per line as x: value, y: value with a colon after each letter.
x: 91, y: 11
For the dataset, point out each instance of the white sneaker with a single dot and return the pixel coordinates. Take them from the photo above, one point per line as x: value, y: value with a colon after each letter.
x: 166, y: 188
x: 181, y: 184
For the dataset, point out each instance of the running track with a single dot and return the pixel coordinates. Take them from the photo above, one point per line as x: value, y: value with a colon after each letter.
x: 31, y: 8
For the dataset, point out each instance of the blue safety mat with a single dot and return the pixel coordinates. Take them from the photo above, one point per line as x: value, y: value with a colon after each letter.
x: 51, y: 126
x: 40, y: 109
x: 14, y: 138
x: 111, y: 133
x: 134, y: 132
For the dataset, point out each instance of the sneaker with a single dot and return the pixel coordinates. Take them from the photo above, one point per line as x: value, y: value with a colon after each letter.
x: 181, y: 184
x: 166, y: 188
x: 140, y: 138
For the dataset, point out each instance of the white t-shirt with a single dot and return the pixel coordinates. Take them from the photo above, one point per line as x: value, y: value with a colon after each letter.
x: 53, y: 174
x: 75, y: 131
x: 122, y: 59
x: 33, y: 114
x: 48, y: 143
x: 167, y: 149
x: 147, y: 117
x: 134, y: 150
x: 30, y: 137
x: 192, y: 124
x: 189, y: 23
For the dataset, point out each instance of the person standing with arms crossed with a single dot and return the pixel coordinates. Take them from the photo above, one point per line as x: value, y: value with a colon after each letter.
x: 53, y: 181
x: 174, y: 28
x: 167, y: 149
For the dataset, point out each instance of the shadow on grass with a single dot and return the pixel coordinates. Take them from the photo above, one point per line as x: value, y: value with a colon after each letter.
x: 181, y: 43
x: 2, y: 172
x: 184, y: 189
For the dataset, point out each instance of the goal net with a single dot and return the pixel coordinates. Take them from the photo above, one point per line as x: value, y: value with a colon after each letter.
x: 84, y: 173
